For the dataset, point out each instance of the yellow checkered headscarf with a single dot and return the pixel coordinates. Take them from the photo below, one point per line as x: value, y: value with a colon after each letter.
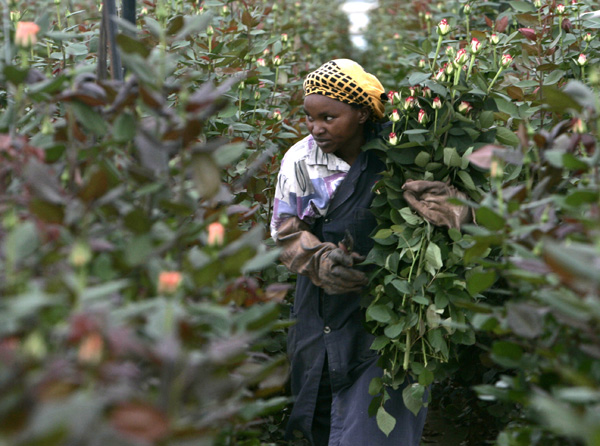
x: 347, y: 81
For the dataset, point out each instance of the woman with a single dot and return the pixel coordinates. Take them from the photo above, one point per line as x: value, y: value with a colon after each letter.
x: 322, y: 221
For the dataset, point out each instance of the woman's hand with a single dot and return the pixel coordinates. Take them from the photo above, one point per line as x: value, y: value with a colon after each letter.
x: 328, y: 266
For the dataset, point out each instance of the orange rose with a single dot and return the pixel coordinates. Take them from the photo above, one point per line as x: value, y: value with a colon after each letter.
x: 169, y: 281
x: 90, y: 349
x: 26, y: 34
x: 216, y: 234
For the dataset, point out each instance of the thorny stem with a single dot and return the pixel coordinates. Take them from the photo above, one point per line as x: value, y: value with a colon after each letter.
x: 498, y: 184
x: 407, y: 350
x: 561, y: 37
x: 455, y: 82
x: 58, y: 15
x: 414, y: 260
x: 254, y: 112
x: 6, y: 29
x: 494, y: 80
x: 437, y: 52
x: 471, y: 62
x: 275, y: 85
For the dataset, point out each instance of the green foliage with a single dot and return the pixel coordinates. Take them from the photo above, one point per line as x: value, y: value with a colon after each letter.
x: 549, y: 328
x: 140, y: 302
x: 106, y: 184
x: 508, y: 118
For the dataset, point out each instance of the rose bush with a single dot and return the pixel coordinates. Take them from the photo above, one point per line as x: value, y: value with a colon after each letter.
x: 494, y: 79
x: 139, y: 302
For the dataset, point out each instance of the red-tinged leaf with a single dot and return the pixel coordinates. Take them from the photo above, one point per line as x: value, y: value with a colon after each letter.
x: 43, y: 182
x: 81, y: 324
x: 547, y: 67
x: 502, y: 24
x: 153, y: 153
x: 233, y: 28
x: 89, y: 93
x: 277, y: 291
x: 540, y: 141
x: 140, y: 422
x: 101, y: 245
x: 192, y: 129
x: 527, y: 20
x: 530, y: 50
x: 566, y: 25
x: 516, y: 193
x: 483, y: 156
x: 528, y: 33
x: 515, y: 93
x: 47, y: 212
x: 565, y: 275
x: 531, y: 265
x: 208, y: 94
x: 96, y: 186
x: 589, y: 142
x: 247, y: 18
x: 489, y: 22
x: 151, y: 98
x: 55, y: 389
x: 175, y: 25
x: 86, y: 98
x: 479, y: 35
x: 130, y: 45
x: 560, y: 128
x: 232, y: 70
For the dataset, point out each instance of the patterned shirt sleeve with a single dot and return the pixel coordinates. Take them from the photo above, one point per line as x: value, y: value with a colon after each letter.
x: 306, y: 183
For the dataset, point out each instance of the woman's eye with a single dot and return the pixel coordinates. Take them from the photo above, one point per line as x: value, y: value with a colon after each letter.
x: 328, y: 118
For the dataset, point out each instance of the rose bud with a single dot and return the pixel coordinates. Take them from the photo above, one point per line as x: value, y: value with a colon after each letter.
x: 443, y: 28
x: 26, y: 34
x: 506, y: 60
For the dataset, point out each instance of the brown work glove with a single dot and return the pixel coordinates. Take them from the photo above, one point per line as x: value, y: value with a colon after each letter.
x: 327, y: 265
x: 430, y: 200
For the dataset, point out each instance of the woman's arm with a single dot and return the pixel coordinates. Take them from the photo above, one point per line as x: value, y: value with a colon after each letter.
x: 327, y: 265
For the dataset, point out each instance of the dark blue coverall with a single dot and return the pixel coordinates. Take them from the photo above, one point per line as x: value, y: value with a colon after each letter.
x: 331, y: 362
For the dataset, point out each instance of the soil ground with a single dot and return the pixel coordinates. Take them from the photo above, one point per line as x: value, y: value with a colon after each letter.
x: 440, y: 431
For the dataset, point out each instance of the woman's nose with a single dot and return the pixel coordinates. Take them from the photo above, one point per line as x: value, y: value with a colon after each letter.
x: 317, y: 129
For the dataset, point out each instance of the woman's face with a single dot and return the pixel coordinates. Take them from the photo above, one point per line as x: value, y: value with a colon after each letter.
x: 335, y: 126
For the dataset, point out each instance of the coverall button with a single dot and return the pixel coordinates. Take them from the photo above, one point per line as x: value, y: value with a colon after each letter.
x: 327, y: 330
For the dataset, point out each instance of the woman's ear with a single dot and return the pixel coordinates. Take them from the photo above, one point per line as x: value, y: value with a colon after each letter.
x: 365, y: 114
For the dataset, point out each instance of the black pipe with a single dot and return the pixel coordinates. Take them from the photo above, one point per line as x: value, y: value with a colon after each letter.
x: 110, y: 9
x: 129, y: 11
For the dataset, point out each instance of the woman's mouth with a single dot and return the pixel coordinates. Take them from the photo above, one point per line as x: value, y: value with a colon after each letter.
x: 322, y: 142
